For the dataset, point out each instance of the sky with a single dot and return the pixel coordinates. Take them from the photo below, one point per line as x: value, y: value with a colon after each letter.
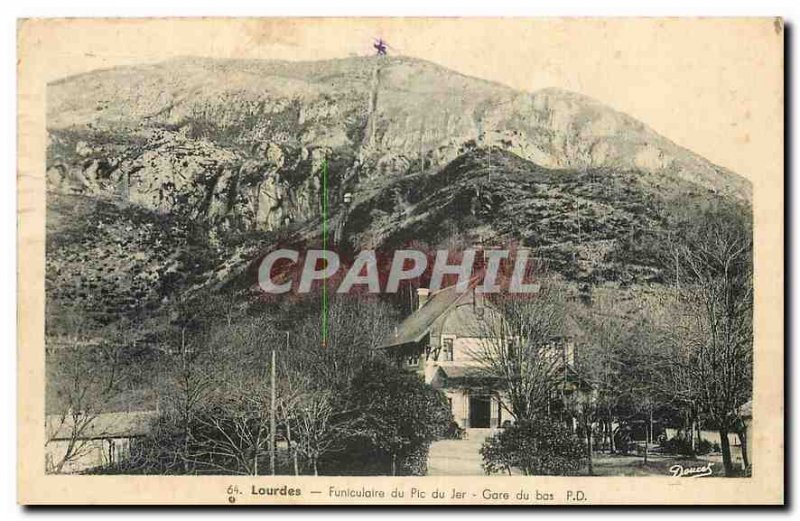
x: 714, y: 86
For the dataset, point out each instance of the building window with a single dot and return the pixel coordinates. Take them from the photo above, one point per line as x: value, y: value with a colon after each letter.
x: 412, y: 360
x: 447, y: 350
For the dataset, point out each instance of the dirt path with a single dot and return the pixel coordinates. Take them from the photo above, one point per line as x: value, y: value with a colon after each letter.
x: 458, y: 457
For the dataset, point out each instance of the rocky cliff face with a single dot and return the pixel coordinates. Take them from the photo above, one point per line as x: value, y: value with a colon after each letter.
x: 228, y: 149
x: 239, y: 144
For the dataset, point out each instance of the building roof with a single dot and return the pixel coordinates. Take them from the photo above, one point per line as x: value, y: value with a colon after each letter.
x: 419, y: 323
x: 104, y: 425
x: 461, y: 318
x: 461, y: 371
x: 466, y: 319
x: 447, y: 375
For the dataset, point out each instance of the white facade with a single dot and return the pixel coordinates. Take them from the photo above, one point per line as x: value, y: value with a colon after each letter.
x: 453, y: 362
x: 88, y: 454
x: 446, y: 341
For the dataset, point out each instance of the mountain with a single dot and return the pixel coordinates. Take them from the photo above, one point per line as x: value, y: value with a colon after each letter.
x: 235, y: 149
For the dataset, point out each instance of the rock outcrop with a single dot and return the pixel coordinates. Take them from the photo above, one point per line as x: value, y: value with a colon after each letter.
x: 239, y: 144
x: 167, y: 179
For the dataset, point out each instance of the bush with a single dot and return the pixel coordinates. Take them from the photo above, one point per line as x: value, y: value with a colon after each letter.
x: 397, y: 415
x: 683, y: 446
x: 357, y: 458
x: 414, y: 462
x: 677, y: 445
x: 705, y: 447
x: 543, y: 447
x: 454, y: 431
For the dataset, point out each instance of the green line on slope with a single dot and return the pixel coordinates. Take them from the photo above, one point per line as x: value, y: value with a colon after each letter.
x: 325, y: 248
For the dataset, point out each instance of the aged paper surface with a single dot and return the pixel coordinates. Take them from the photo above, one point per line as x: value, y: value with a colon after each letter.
x: 632, y: 166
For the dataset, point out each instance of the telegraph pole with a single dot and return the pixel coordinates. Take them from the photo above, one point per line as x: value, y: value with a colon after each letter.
x: 272, y: 422
x: 325, y: 247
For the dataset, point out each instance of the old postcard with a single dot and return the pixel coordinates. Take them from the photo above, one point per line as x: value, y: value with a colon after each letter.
x: 400, y: 261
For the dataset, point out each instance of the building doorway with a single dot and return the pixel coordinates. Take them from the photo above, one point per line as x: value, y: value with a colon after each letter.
x: 480, y: 412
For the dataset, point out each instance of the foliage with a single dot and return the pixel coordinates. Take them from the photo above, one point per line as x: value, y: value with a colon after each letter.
x: 542, y: 446
x: 396, y: 413
x: 111, y: 262
x: 682, y: 445
x: 454, y: 431
x: 678, y: 445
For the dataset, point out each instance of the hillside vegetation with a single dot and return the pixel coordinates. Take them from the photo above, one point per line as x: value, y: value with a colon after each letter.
x: 166, y: 181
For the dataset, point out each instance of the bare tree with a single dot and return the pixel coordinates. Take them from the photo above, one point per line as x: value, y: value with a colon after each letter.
x: 236, y: 428
x: 355, y: 326
x: 676, y: 381
x: 233, y: 434
x: 290, y: 393
x: 519, y: 350
x: 584, y: 407
x: 598, y: 361
x: 315, y: 426
x: 216, y: 391
x: 184, y: 383
x: 314, y: 373
x: 716, y: 256
x: 84, y: 377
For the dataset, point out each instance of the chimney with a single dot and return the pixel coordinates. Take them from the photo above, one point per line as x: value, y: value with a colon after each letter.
x: 422, y: 296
